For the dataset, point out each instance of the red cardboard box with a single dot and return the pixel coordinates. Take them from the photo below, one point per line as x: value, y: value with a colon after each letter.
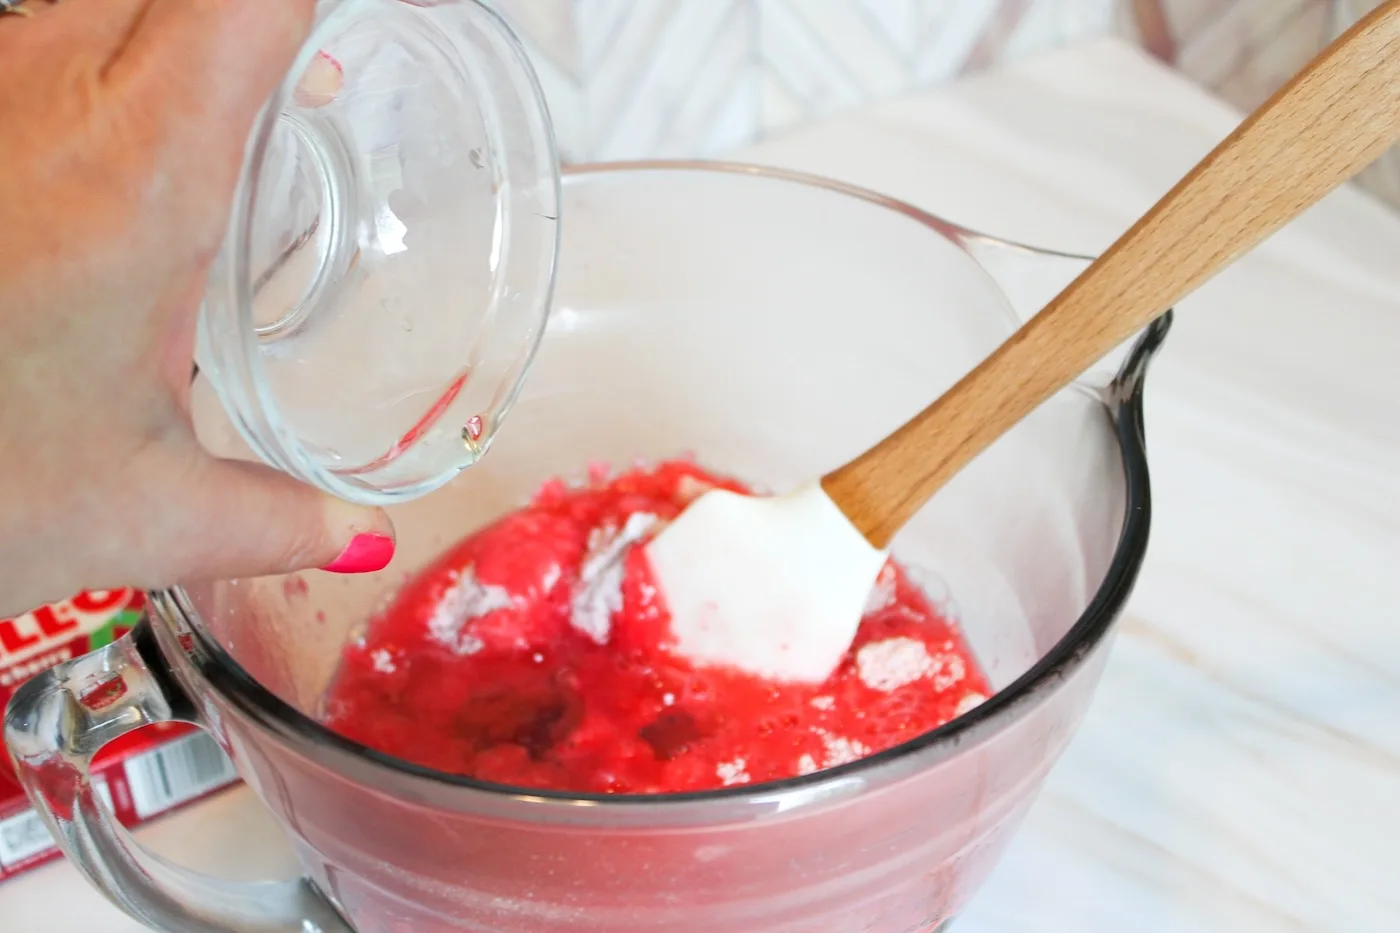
x: 141, y: 775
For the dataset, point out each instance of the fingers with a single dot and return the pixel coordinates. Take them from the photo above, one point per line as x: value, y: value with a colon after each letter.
x: 220, y: 59
x: 228, y: 519
x: 104, y: 23
x: 182, y: 89
x: 155, y: 39
x: 320, y: 83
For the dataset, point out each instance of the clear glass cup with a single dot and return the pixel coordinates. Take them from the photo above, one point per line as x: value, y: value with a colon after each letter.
x: 774, y: 324
x: 390, y: 257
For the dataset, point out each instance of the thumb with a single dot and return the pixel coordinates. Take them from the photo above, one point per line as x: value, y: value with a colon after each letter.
x: 229, y: 518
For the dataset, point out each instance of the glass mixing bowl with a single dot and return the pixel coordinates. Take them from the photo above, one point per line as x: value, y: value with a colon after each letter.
x: 775, y: 325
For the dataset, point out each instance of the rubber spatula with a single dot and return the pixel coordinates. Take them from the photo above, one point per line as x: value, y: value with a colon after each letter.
x: 776, y: 586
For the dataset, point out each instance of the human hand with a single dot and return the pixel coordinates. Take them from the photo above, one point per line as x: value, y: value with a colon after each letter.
x: 122, y: 131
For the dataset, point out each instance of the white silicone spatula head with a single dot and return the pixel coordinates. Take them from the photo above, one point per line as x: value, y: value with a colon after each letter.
x: 775, y: 587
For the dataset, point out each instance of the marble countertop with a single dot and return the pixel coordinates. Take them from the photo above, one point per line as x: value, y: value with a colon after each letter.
x: 1240, y: 768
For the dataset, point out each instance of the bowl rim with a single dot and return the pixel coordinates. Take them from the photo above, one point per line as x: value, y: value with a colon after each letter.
x: 1123, y: 402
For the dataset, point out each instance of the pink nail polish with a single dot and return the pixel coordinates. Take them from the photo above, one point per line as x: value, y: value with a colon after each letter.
x: 365, y: 553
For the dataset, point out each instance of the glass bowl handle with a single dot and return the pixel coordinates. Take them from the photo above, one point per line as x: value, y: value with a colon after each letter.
x: 54, y: 726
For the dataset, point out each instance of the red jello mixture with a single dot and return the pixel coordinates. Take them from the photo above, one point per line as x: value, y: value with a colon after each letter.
x: 534, y: 653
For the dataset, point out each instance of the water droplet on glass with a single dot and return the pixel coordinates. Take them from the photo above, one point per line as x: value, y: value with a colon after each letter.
x: 471, y: 434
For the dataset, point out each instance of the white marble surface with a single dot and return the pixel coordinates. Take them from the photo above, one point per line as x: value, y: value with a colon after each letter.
x: 1240, y: 769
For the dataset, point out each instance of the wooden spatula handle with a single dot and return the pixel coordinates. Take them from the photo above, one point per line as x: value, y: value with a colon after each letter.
x: 1332, y: 120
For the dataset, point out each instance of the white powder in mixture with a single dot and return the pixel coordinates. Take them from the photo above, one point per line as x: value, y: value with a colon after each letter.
x: 806, y: 765
x: 599, y: 592
x: 893, y: 663
x: 383, y: 661
x: 466, y: 600
x: 949, y: 673
x: 733, y: 772
x: 841, y: 750
x: 822, y: 703
x: 969, y: 703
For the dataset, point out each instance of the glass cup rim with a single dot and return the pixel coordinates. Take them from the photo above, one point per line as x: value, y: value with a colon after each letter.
x: 1123, y: 402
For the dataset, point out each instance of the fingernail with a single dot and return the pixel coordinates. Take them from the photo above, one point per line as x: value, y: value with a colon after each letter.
x: 364, y: 554
x: 321, y: 82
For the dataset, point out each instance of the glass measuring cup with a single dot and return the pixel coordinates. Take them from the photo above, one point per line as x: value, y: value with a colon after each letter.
x: 775, y: 324
x: 390, y: 256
